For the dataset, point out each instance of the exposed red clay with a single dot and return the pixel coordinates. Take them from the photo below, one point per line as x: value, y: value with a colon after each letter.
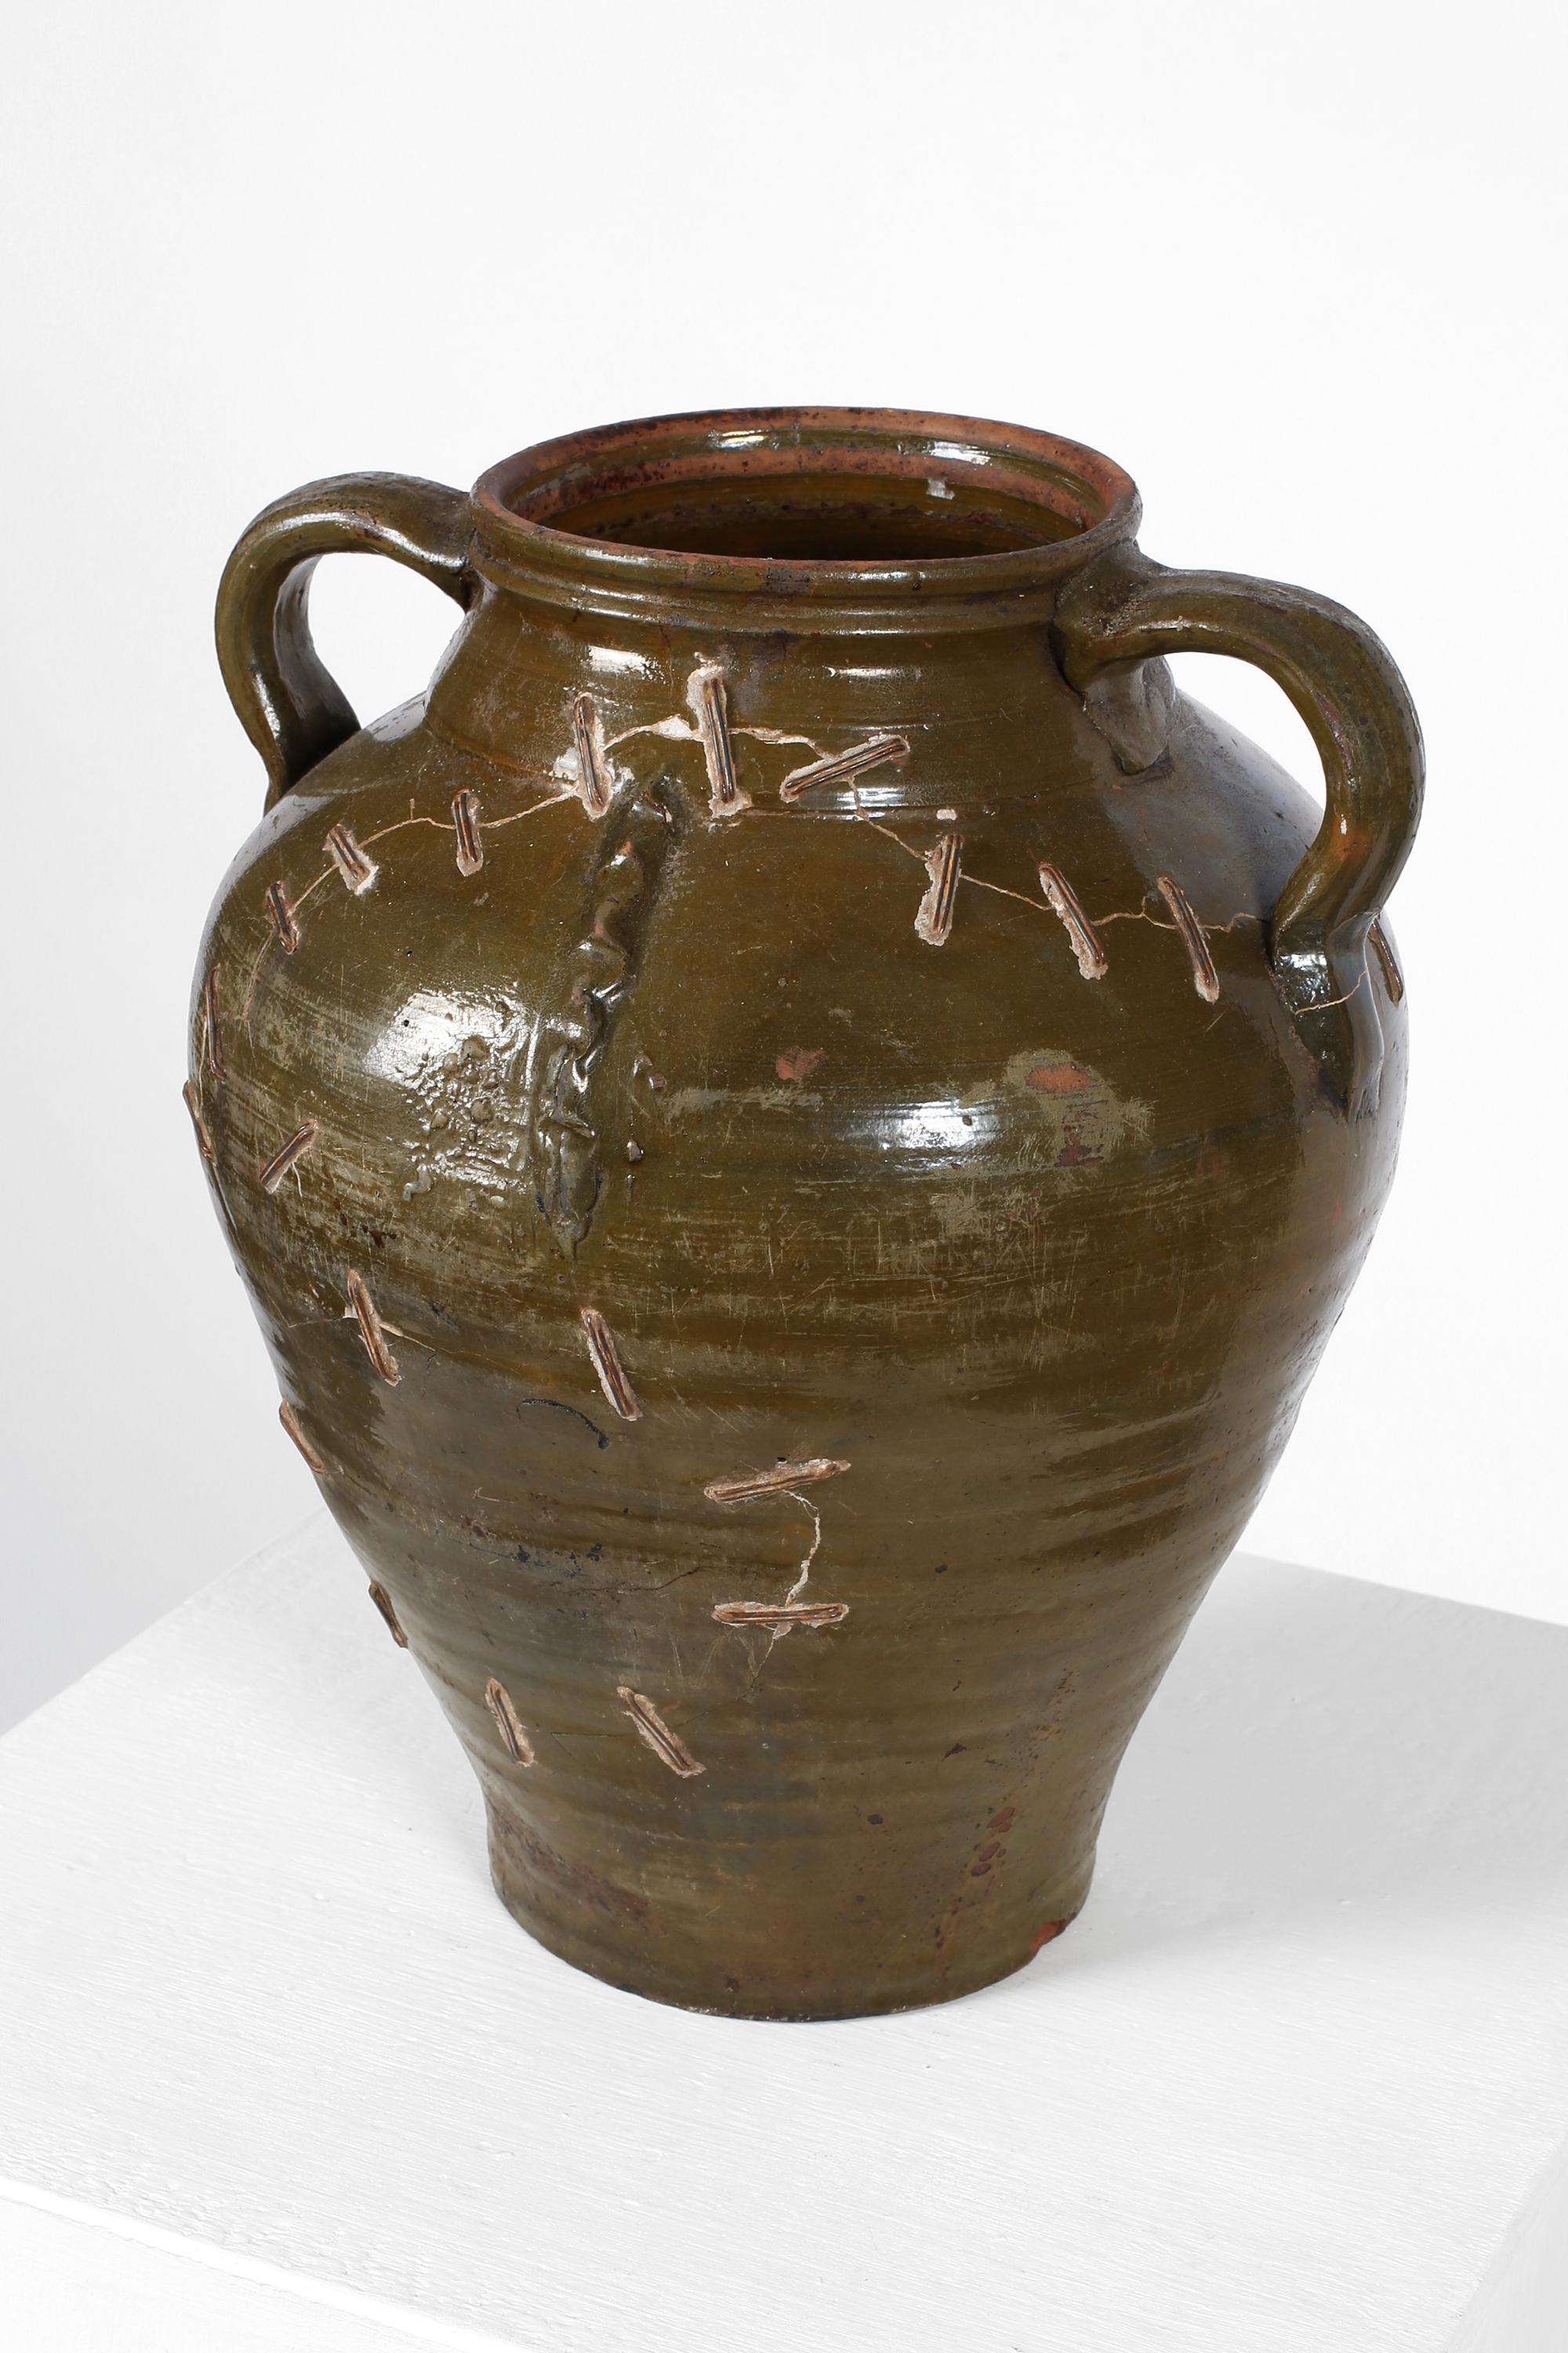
x: 1074, y: 1153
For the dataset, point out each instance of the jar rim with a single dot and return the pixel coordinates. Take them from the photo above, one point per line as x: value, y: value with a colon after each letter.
x: 523, y: 507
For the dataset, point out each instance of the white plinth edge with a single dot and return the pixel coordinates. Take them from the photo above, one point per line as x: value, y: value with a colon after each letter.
x: 279, y: 2073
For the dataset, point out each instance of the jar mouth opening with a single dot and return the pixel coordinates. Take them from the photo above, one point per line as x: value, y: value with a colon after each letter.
x: 811, y: 503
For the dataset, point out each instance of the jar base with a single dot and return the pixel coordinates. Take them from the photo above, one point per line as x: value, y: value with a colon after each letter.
x: 605, y: 1950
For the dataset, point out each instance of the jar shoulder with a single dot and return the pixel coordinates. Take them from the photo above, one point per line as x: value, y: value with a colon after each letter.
x: 1005, y: 1075
x: 1048, y: 979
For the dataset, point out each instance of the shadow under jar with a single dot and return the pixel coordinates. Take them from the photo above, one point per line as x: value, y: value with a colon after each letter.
x: 796, y: 1130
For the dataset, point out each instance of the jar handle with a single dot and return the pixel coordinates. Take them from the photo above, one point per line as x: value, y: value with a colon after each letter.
x: 1126, y: 609
x: 288, y: 704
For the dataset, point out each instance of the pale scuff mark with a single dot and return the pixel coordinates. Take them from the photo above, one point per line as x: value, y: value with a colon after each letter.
x: 291, y: 1421
x: 933, y: 918
x: 781, y: 1615
x: 709, y: 701
x: 1064, y: 902
x: 280, y: 915
x: 465, y: 823
x: 692, y: 1102
x: 1206, y: 980
x: 590, y: 755
x: 1394, y: 979
x: 193, y: 1102
x: 1083, y: 1117
x: 357, y: 871
x: 842, y: 767
x: 210, y: 988
x: 604, y: 1349
x: 382, y: 1601
x: 653, y: 1731
x: 514, y: 1739
x: 779, y: 1479
x: 272, y: 1172
x: 371, y: 1331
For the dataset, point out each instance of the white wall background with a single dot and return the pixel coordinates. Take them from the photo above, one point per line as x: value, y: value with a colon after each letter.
x: 1298, y: 268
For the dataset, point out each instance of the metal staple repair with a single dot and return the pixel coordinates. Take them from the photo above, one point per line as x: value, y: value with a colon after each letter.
x: 466, y: 822
x: 933, y: 919
x: 710, y: 705
x: 357, y: 871
x: 272, y: 1172
x: 1394, y: 979
x: 781, y: 1614
x: 382, y: 1601
x: 214, y: 1026
x: 653, y: 1731
x: 1064, y: 902
x: 514, y: 1739
x: 774, y: 1482
x: 193, y: 1102
x: 291, y: 1421
x: 281, y: 914
x: 842, y: 767
x: 1206, y: 980
x: 604, y: 1350
x: 371, y: 1331
x: 588, y: 742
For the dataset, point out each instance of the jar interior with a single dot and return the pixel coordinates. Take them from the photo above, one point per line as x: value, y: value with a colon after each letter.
x: 812, y: 487
x: 820, y: 518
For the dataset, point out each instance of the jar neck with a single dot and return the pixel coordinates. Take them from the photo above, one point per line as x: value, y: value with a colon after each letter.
x: 835, y: 523
x: 847, y: 722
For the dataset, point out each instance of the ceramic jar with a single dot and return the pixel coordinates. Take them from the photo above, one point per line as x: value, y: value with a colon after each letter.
x: 795, y: 1129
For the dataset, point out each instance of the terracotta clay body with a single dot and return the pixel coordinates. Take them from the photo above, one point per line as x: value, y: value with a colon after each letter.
x: 796, y: 1130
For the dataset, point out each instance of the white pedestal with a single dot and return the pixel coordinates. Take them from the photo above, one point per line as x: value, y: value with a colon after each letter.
x: 278, y: 2072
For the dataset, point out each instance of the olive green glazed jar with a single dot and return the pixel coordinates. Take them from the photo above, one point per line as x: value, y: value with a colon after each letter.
x: 795, y: 1129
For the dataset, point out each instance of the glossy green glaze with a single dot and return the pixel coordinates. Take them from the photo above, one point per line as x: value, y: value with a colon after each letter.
x: 792, y: 1284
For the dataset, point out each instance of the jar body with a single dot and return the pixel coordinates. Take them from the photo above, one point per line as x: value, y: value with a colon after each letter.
x: 950, y: 1285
